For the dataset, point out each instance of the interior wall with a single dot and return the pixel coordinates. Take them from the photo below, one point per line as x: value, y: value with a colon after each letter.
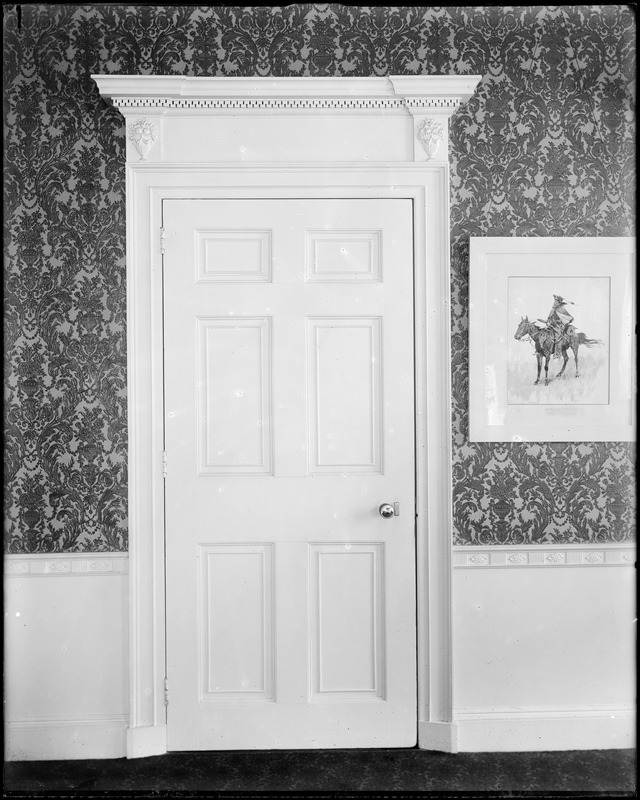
x: 544, y: 148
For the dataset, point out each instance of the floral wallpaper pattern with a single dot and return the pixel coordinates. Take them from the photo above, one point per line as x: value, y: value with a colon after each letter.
x: 545, y: 148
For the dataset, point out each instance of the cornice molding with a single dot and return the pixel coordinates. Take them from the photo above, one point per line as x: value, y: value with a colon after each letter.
x: 414, y: 94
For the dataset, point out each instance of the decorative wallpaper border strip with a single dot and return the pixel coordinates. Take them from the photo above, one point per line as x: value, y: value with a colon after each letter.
x: 536, y: 556
x: 67, y: 565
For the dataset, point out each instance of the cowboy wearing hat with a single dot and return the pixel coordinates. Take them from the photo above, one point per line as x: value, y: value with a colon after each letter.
x: 558, y: 321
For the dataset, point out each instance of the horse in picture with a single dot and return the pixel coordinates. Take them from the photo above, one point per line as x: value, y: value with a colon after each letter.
x: 547, y: 342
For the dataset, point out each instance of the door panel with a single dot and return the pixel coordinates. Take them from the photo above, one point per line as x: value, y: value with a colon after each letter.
x: 345, y: 414
x: 347, y: 622
x: 236, y: 599
x: 288, y: 421
x: 235, y: 423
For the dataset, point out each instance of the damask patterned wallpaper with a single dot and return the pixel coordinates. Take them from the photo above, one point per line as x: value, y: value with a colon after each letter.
x: 545, y: 148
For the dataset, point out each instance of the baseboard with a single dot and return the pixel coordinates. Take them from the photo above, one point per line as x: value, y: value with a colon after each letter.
x: 440, y: 736
x: 477, y: 732
x: 150, y: 740
x: 579, y: 729
x: 69, y: 738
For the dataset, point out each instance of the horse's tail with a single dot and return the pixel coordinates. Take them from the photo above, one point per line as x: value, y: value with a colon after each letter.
x: 582, y: 339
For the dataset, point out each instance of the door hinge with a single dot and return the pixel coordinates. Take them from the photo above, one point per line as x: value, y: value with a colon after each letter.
x: 164, y: 463
x: 162, y: 240
x: 166, y: 691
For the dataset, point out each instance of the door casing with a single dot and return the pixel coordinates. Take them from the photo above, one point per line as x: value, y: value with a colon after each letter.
x: 425, y: 181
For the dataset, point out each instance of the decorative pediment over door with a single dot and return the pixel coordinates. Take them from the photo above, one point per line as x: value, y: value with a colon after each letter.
x: 394, y: 119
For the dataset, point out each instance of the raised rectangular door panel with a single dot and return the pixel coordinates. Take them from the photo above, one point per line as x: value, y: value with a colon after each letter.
x: 288, y: 421
x: 347, y: 623
x: 234, y: 395
x: 233, y: 255
x: 345, y: 411
x: 236, y: 636
x: 343, y: 256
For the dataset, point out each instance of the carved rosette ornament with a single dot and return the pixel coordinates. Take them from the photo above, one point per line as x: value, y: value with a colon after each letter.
x: 430, y: 133
x: 143, y: 134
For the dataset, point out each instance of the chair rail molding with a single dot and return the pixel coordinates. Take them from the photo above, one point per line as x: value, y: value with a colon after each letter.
x: 515, y: 556
x: 278, y: 138
x: 66, y: 564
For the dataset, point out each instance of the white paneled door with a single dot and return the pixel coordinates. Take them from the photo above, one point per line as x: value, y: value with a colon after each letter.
x: 289, y: 421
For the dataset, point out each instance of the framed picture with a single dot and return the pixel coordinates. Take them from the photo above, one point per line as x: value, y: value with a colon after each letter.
x: 552, y: 339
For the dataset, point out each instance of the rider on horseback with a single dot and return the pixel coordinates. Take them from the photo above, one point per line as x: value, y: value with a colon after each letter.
x: 558, y: 321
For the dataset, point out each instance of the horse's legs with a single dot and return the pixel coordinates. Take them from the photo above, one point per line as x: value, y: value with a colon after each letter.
x: 575, y: 358
x: 546, y: 370
x: 539, y: 359
x: 566, y: 361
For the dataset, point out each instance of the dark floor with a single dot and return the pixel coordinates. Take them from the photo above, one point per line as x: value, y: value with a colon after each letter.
x: 602, y: 772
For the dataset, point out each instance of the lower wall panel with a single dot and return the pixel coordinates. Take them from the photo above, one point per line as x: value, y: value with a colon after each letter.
x: 66, y: 658
x: 544, y: 658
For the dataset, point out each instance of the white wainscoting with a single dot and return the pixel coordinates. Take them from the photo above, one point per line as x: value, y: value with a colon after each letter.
x: 544, y: 648
x: 544, y: 653
x: 66, y: 656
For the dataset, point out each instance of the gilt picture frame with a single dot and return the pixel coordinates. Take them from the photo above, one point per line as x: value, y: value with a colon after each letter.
x: 552, y: 339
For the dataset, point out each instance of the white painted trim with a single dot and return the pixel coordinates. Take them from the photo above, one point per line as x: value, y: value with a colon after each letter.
x: 68, y: 738
x: 146, y: 741
x: 440, y: 736
x: 146, y: 486
x: 66, y: 564
x: 517, y: 556
x: 427, y: 185
x: 562, y: 729
x: 427, y: 90
x: 433, y: 458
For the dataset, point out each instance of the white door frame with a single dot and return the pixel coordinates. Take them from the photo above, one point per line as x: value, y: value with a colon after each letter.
x: 410, y: 170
